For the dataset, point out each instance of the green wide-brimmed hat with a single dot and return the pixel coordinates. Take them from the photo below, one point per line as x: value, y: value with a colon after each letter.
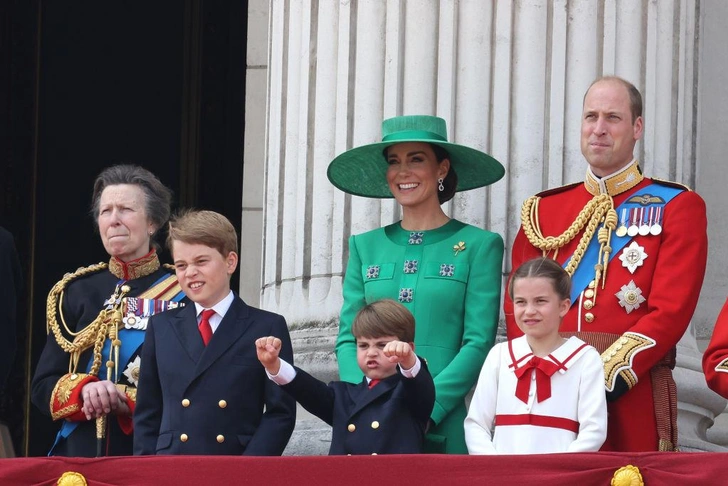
x: 362, y: 171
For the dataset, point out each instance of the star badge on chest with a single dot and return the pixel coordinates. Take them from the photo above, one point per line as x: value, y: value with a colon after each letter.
x: 132, y: 371
x: 633, y: 256
x: 630, y: 297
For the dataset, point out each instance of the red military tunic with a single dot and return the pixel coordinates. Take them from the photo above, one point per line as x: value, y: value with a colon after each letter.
x: 715, y: 359
x: 638, y: 316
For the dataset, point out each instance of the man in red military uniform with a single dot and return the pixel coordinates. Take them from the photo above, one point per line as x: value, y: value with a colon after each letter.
x: 636, y: 249
x: 715, y: 358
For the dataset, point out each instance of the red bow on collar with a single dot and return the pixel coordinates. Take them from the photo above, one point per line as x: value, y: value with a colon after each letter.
x: 544, y: 370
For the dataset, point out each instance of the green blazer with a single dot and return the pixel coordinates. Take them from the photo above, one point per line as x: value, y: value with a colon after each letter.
x: 454, y: 295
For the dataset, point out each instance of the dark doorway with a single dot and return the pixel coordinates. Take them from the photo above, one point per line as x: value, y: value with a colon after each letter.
x: 89, y: 84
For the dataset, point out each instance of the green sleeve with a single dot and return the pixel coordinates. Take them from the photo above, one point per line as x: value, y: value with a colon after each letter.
x: 353, y: 301
x: 480, y: 323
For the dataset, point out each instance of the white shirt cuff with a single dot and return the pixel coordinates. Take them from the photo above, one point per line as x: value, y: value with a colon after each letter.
x: 412, y: 372
x: 285, y: 375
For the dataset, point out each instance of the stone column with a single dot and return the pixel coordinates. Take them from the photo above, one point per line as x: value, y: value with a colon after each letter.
x: 508, y: 77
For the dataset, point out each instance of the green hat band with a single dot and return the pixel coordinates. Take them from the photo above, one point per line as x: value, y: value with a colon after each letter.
x: 413, y: 135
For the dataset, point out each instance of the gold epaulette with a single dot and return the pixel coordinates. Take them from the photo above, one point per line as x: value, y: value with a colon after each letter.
x: 676, y: 185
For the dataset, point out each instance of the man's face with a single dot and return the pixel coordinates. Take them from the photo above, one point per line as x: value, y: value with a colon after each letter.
x: 608, y: 134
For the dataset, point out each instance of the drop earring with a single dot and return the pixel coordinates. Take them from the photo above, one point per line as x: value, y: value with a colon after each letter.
x: 441, y: 187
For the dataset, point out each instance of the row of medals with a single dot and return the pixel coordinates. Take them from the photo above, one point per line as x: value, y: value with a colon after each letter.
x: 641, y: 222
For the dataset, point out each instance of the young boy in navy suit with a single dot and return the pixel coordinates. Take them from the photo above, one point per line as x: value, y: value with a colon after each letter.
x: 387, y: 413
x: 201, y: 389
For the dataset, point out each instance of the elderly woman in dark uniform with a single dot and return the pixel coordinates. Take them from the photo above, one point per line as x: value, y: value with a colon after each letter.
x: 96, y: 317
x: 447, y: 273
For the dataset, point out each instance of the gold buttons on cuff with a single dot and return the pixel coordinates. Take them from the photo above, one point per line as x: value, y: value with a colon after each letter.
x: 185, y: 403
x: 351, y: 428
x: 375, y: 425
x: 222, y: 404
x: 588, y: 304
x: 221, y: 438
x: 589, y: 317
x: 183, y: 437
x: 588, y: 293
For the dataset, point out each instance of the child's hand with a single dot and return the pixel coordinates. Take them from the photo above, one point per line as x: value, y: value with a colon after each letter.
x: 401, y: 353
x: 268, y: 349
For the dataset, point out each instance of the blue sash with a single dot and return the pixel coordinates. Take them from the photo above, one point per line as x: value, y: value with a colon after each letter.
x: 585, y: 271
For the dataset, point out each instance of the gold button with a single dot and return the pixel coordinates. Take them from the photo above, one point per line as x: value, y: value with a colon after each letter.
x: 183, y: 437
x: 374, y: 453
x: 185, y: 403
x: 589, y: 317
x: 351, y: 427
x: 222, y: 404
x: 221, y: 438
x: 588, y: 304
x: 588, y: 293
x: 74, y: 376
x: 375, y: 425
x: 592, y: 284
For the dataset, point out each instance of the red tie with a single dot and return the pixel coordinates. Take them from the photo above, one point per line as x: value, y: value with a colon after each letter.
x: 205, y: 328
x: 373, y: 383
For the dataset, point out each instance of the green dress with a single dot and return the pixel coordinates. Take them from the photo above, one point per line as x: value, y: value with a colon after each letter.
x: 450, y: 279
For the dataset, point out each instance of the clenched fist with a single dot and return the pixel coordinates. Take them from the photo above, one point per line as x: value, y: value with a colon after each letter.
x: 268, y: 349
x: 401, y: 353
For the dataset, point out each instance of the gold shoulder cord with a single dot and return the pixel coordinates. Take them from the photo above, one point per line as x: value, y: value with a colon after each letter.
x: 92, y: 335
x: 599, y: 210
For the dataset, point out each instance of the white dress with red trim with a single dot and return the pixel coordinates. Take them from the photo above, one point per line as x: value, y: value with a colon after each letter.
x: 524, y: 404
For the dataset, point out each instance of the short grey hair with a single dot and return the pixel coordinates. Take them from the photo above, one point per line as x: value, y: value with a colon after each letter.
x: 157, y: 196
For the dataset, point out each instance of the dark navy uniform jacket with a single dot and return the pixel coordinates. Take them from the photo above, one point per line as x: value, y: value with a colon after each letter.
x: 389, y: 418
x: 83, y: 300
x: 209, y: 400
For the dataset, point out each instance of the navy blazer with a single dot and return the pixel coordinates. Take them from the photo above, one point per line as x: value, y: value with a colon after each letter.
x: 209, y: 400
x: 389, y: 418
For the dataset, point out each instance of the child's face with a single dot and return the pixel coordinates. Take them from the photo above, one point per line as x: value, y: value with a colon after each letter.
x: 370, y: 358
x: 537, y: 307
x: 203, y: 272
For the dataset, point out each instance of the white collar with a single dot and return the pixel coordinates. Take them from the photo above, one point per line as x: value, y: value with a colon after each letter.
x: 220, y: 308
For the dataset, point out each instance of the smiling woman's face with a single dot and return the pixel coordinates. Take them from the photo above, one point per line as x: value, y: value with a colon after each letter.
x: 413, y: 173
x: 123, y: 222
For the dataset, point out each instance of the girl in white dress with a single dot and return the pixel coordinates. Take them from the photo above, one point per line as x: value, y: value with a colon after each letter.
x: 539, y: 393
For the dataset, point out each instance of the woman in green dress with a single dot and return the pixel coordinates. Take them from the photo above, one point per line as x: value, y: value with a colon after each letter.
x: 447, y: 273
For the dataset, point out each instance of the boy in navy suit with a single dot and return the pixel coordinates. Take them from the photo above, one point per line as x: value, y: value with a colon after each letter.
x: 387, y: 413
x: 201, y: 389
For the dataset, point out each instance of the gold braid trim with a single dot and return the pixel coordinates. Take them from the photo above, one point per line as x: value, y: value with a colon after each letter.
x: 723, y: 366
x: 618, y: 358
x: 599, y: 210
x: 84, y: 338
x: 92, y: 335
